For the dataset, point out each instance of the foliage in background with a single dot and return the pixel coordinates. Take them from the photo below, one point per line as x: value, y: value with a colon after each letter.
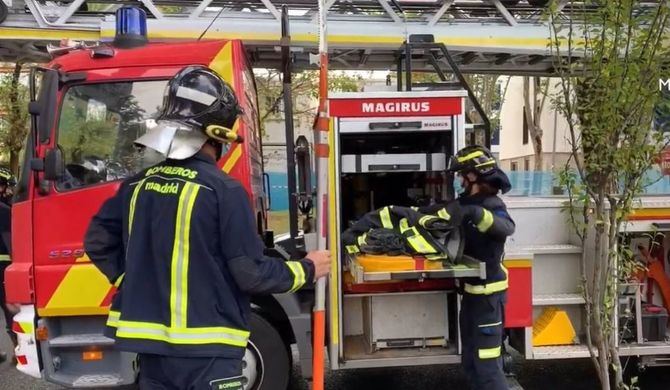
x: 304, y: 89
x: 608, y: 98
x: 14, y: 119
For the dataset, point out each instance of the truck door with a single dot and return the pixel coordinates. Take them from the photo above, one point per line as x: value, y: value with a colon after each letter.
x: 96, y: 127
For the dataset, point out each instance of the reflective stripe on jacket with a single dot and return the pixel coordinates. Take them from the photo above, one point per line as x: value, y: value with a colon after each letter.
x: 179, y: 241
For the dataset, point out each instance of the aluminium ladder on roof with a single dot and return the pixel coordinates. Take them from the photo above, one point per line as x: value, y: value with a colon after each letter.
x: 485, y: 36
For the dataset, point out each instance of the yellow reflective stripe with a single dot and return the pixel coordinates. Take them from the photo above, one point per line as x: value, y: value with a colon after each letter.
x: 113, y: 318
x: 385, y: 216
x: 419, y: 243
x: 180, y: 256
x: 414, y: 208
x: 160, y: 332
x: 118, y: 280
x: 489, y: 325
x: 489, y: 353
x: 470, y: 156
x: 491, y: 162
x: 133, y: 201
x: 352, y: 249
x: 442, y: 213
x: 486, y: 222
x: 490, y: 288
x: 193, y: 336
x: 298, y: 272
x: 361, y: 239
x: 415, y: 240
x: 5, y: 258
x: 423, y: 220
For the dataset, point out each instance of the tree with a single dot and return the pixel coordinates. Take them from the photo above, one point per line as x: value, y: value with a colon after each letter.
x: 490, y: 92
x: 14, y: 109
x: 533, y: 114
x: 609, y: 67
x: 304, y: 89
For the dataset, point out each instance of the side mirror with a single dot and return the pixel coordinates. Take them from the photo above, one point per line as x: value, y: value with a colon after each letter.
x: 54, y: 166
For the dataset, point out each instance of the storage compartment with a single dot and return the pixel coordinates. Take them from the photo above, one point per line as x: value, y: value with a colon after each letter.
x: 654, y: 323
x: 405, y: 320
x: 364, y: 163
x: 412, y: 327
x: 396, y: 143
x: 369, y: 191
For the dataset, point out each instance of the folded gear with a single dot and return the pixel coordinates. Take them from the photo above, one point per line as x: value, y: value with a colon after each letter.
x: 420, y: 233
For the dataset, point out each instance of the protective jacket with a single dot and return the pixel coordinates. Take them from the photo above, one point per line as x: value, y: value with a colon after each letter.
x: 179, y: 241
x: 423, y: 233
x: 486, y: 228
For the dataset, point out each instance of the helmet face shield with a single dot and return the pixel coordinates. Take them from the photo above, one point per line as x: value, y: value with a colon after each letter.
x: 173, y: 139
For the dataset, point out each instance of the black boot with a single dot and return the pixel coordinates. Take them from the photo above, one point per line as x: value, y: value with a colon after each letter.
x: 3, y: 356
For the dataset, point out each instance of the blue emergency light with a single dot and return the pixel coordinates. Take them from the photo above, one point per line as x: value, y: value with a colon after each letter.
x: 131, y: 27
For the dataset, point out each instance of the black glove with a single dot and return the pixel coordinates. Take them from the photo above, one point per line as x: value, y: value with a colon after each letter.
x: 384, y: 241
x: 471, y: 213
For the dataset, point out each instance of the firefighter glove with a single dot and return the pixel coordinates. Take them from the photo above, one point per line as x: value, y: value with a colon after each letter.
x: 384, y: 241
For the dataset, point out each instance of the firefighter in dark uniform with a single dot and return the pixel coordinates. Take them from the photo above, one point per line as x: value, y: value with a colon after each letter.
x: 180, y: 242
x: 7, y: 183
x: 487, y: 226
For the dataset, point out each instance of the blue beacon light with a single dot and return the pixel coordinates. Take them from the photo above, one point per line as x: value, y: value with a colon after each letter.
x: 131, y: 28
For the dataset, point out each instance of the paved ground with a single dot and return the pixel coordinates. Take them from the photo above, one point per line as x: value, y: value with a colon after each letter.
x: 558, y: 375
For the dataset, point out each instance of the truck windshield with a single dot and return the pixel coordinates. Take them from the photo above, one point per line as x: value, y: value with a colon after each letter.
x: 97, y: 129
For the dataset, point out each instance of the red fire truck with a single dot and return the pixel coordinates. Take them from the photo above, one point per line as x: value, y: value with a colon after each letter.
x: 90, y: 106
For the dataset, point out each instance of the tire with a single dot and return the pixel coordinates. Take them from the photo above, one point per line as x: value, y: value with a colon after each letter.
x: 270, y: 356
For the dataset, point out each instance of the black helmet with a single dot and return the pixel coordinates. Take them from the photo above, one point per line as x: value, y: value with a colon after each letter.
x: 198, y: 107
x: 480, y: 160
x: 198, y: 97
x: 7, y: 177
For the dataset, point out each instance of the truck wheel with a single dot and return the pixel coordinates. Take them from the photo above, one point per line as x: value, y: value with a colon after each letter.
x: 267, y: 360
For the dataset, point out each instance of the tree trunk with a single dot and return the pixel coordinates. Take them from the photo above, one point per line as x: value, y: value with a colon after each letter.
x: 14, y: 162
x: 533, y: 114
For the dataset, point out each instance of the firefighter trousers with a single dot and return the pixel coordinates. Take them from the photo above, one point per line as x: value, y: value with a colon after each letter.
x: 481, y: 322
x: 181, y: 373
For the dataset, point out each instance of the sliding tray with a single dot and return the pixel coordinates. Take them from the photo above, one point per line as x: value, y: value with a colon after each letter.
x: 370, y: 268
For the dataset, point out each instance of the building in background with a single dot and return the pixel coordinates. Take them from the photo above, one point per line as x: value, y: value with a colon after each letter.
x: 516, y: 148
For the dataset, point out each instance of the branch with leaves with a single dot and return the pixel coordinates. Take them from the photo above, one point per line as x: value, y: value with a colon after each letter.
x: 609, y: 68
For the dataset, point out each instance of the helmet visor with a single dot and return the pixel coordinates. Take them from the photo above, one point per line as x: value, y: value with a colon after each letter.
x: 173, y: 139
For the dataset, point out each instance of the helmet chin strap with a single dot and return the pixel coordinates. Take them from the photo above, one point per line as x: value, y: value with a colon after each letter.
x: 467, y: 186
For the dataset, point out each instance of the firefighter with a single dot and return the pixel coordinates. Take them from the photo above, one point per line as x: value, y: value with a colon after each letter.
x: 486, y: 228
x: 7, y: 183
x: 180, y: 243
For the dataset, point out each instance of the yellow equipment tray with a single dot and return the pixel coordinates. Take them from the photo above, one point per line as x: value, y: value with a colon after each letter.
x: 375, y: 268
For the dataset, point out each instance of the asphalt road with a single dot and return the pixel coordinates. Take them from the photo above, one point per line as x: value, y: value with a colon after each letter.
x: 531, y: 375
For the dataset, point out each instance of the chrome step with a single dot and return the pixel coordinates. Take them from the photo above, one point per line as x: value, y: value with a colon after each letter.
x: 80, y: 340
x: 543, y: 249
x: 558, y: 299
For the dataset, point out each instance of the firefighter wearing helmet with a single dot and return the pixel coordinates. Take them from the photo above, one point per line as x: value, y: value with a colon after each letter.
x: 180, y: 243
x: 486, y: 228
x: 7, y: 183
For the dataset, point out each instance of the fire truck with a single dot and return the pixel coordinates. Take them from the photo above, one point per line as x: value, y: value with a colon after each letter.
x: 391, y: 147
